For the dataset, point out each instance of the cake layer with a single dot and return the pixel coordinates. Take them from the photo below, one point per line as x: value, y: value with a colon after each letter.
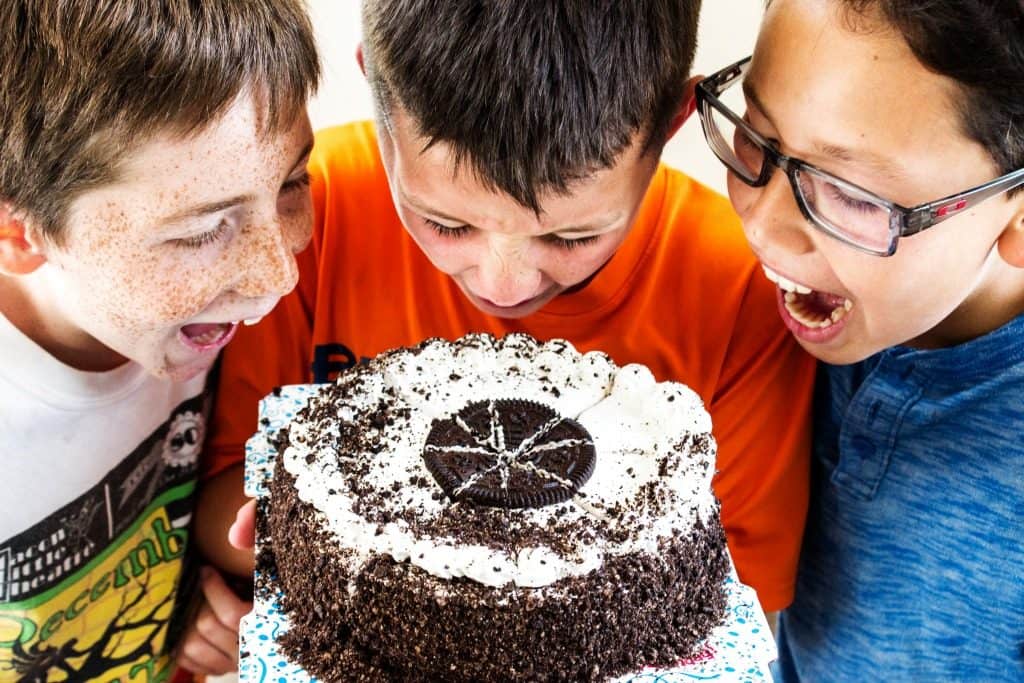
x: 393, y: 621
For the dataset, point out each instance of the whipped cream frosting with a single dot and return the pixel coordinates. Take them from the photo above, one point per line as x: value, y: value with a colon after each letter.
x: 643, y: 432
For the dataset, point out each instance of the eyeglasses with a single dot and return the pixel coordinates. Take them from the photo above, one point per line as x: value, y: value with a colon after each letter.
x: 841, y: 209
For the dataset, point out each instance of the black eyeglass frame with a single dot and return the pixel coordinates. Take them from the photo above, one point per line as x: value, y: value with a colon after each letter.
x: 903, y: 221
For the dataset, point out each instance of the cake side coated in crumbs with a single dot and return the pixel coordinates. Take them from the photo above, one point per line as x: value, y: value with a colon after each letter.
x: 636, y: 611
x: 495, y: 509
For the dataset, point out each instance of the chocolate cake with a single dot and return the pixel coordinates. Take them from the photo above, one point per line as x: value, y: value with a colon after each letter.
x: 495, y: 510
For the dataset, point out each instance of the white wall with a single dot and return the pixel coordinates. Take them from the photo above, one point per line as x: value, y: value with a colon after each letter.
x: 727, y: 32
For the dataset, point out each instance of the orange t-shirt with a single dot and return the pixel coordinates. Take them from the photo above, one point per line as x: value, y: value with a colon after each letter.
x: 682, y: 295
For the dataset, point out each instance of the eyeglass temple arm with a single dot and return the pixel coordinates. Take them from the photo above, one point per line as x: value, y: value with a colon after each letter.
x: 928, y: 215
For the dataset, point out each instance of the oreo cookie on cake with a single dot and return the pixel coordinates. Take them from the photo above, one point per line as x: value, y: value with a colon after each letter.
x: 496, y: 509
x: 509, y: 453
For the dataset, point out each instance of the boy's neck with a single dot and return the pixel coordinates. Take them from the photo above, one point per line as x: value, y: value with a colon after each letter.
x: 997, y: 300
x: 45, y: 326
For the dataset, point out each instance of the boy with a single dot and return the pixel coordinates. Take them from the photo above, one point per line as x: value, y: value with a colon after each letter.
x: 512, y: 184
x: 897, y: 243
x: 152, y: 193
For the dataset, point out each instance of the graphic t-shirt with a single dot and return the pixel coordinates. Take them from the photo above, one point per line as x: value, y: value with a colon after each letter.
x: 683, y: 295
x: 99, y: 471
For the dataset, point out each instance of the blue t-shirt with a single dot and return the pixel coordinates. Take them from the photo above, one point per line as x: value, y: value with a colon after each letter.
x: 913, y: 560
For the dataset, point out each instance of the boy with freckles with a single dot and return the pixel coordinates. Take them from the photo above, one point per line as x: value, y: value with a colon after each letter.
x: 876, y: 156
x: 153, y: 193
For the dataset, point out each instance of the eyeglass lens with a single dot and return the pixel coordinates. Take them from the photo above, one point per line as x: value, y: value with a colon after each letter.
x: 838, y: 208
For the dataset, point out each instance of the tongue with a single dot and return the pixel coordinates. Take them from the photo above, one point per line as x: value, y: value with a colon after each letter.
x: 822, y: 303
x: 204, y: 333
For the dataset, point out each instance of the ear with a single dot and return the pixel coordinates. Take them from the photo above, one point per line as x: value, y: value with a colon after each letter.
x: 359, y: 58
x: 18, y: 254
x: 1011, y: 240
x: 688, y: 106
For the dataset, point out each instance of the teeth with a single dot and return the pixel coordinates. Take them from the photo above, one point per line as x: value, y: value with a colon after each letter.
x: 805, y: 317
x: 815, y: 320
x: 793, y: 290
x: 252, y: 321
x: 208, y: 337
x: 789, y: 285
x: 784, y: 283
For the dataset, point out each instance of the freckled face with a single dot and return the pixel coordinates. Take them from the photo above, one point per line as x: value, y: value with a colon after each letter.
x: 197, y: 235
x: 508, y: 261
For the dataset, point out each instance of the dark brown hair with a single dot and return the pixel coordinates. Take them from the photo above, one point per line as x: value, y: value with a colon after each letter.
x: 84, y: 82
x: 977, y: 43
x: 532, y: 94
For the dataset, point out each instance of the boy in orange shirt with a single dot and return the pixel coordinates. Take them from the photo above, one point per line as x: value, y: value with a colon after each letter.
x: 512, y: 184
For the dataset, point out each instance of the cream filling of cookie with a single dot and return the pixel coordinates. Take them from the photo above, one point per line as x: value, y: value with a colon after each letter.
x: 641, y: 431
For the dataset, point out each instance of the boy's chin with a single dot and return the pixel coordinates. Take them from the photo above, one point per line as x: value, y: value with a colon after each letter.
x: 840, y: 354
x: 176, y: 362
x: 183, y: 372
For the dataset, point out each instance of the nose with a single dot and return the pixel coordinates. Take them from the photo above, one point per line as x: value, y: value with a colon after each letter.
x: 506, y: 274
x: 771, y: 218
x: 266, y: 264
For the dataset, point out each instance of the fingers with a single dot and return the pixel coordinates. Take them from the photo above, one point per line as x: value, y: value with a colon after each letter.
x: 242, y: 533
x: 207, y: 649
x: 200, y: 657
x: 228, y: 609
x: 211, y: 642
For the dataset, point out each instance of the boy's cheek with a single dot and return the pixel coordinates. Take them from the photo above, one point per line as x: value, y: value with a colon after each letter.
x: 139, y: 314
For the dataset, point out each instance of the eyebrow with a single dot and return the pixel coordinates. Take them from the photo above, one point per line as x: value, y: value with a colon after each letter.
x: 751, y: 94
x: 572, y: 230
x: 220, y: 205
x: 837, y: 152
x: 873, y: 160
x: 423, y: 209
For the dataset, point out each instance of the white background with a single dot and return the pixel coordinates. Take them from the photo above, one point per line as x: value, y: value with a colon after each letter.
x: 727, y: 32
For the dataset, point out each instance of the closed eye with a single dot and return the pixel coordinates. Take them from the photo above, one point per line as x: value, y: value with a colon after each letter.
x: 744, y: 140
x: 447, y: 231
x: 458, y: 231
x: 204, y: 238
x: 296, y: 183
x: 570, y: 244
x: 852, y: 203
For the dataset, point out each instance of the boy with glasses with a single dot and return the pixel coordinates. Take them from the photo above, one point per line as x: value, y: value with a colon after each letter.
x: 875, y: 151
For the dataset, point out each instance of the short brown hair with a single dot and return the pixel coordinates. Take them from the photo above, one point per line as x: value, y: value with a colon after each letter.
x: 532, y: 94
x: 83, y: 82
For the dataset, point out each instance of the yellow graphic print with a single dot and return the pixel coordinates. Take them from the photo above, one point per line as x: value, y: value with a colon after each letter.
x: 108, y: 621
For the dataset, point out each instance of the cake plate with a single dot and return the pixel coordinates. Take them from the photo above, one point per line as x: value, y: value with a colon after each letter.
x: 738, y: 650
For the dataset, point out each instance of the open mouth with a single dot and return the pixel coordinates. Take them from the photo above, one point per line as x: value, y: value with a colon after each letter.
x: 207, y: 336
x: 810, y: 311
